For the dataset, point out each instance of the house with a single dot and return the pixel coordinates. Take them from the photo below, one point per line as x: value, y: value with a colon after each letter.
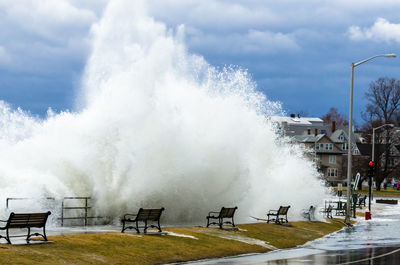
x: 292, y: 126
x: 327, y: 154
x: 393, y: 159
x: 329, y: 143
x: 327, y: 146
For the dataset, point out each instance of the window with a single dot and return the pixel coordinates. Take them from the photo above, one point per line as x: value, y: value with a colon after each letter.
x: 391, y: 151
x: 341, y: 137
x: 323, y: 131
x: 356, y: 151
x: 332, y: 159
x: 332, y: 172
x: 319, y: 146
x: 345, y: 146
x: 328, y: 146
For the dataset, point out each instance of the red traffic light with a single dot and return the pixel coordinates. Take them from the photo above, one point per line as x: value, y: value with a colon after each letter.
x: 370, y: 163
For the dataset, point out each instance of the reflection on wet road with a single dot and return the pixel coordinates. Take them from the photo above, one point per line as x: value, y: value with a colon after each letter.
x: 376, y: 241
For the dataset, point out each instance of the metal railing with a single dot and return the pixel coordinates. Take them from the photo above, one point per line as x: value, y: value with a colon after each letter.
x: 85, y: 208
x: 20, y: 199
x: 64, y: 208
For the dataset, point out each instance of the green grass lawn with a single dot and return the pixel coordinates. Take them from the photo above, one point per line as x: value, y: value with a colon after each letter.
x: 127, y: 248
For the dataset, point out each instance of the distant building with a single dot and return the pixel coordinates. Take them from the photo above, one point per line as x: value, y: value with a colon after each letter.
x: 327, y: 154
x: 328, y: 142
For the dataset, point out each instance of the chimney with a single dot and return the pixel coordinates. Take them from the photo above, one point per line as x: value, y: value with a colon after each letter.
x: 315, y: 131
x: 308, y: 131
x: 333, y: 126
x: 292, y: 115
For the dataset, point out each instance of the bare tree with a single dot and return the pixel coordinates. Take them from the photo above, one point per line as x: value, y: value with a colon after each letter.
x: 384, y: 100
x: 334, y: 115
x: 383, y: 108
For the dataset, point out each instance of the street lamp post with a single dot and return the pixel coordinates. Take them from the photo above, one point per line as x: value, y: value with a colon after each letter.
x: 347, y: 219
x: 373, y: 159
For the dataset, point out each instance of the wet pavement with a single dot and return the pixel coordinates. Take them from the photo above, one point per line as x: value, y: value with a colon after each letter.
x: 375, y: 241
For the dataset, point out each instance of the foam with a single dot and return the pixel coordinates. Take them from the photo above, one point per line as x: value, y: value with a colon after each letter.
x: 156, y: 126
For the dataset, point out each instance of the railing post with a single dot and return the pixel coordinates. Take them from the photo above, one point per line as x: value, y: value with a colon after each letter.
x: 86, y: 208
x: 78, y: 208
x: 62, y: 213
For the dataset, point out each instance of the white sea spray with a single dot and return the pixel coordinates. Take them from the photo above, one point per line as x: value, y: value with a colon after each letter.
x: 156, y: 126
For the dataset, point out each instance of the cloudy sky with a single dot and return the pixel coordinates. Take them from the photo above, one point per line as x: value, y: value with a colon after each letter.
x: 298, y: 52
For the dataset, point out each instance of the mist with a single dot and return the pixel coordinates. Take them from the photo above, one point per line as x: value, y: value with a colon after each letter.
x: 156, y: 126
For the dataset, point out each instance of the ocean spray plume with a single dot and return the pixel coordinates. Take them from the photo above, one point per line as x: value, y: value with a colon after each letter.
x: 160, y: 127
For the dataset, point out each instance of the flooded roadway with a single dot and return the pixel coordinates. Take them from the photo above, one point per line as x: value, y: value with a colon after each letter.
x: 376, y: 241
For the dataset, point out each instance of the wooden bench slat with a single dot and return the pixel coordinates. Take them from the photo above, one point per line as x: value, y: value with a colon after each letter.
x: 149, y: 214
x: 37, y: 217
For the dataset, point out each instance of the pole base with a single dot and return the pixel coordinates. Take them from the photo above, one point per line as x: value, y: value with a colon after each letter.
x: 367, y: 215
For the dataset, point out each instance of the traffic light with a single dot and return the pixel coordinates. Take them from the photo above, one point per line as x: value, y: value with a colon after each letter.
x: 371, y: 169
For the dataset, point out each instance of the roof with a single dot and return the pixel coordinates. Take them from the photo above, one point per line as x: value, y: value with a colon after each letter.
x: 330, y: 151
x: 355, y: 137
x: 335, y: 136
x: 366, y: 149
x: 297, y: 121
x: 308, y: 138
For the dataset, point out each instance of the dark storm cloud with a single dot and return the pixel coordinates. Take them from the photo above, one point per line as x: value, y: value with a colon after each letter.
x: 299, y: 52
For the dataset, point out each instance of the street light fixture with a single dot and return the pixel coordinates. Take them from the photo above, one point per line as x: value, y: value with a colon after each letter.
x: 390, y: 55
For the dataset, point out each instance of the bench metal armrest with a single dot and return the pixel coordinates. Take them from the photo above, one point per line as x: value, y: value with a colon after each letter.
x: 5, y: 225
x: 212, y: 212
x: 126, y: 216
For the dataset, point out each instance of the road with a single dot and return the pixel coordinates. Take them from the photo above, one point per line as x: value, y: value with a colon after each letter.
x: 375, y: 241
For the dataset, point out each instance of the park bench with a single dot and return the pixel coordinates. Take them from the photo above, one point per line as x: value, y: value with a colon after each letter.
x: 387, y: 201
x: 309, y: 213
x: 361, y: 201
x: 327, y: 211
x: 341, y: 209
x: 223, y: 213
x: 25, y: 220
x: 278, y: 216
x: 145, y: 216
